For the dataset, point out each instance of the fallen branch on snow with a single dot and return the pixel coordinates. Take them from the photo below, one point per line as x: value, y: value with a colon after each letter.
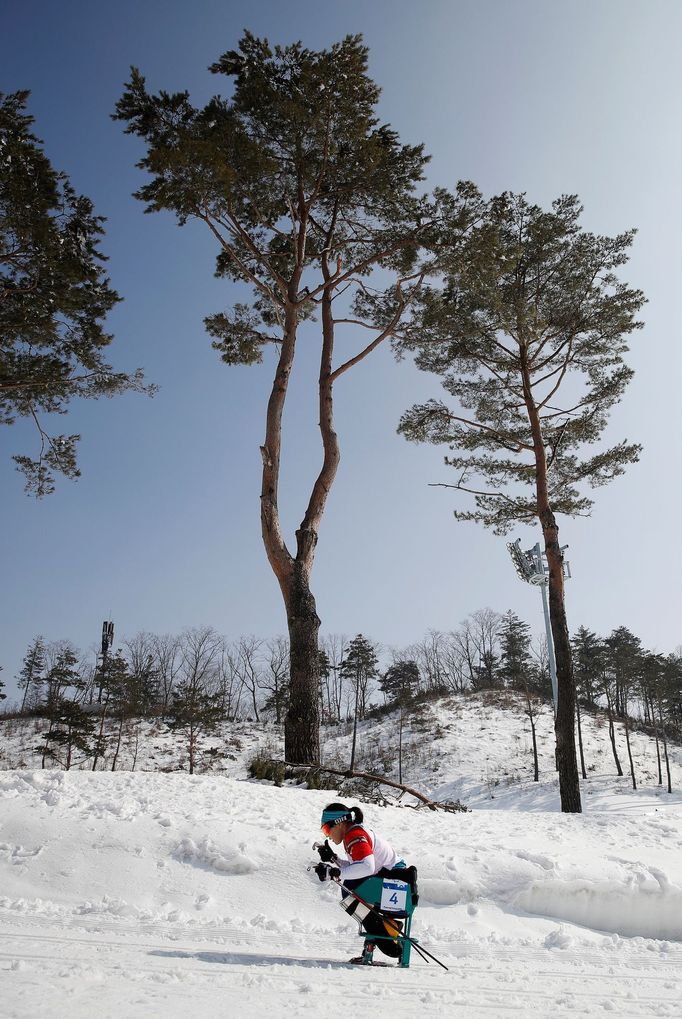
x: 452, y: 808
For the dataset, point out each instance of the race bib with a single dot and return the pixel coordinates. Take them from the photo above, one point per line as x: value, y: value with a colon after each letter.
x: 394, y: 896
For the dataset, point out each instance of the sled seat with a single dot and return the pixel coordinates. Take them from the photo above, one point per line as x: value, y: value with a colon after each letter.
x: 394, y: 895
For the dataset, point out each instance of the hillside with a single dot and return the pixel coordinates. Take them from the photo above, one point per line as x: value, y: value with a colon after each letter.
x: 474, y: 748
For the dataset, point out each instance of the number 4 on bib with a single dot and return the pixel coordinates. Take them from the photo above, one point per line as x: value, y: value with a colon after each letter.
x: 394, y: 896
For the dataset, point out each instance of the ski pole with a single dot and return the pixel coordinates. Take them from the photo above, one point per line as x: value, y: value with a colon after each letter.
x: 402, y: 937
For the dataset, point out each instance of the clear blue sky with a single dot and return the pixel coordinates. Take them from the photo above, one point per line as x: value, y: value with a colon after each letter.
x: 162, y: 530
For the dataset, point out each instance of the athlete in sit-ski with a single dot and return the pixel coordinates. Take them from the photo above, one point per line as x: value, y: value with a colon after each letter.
x: 365, y: 854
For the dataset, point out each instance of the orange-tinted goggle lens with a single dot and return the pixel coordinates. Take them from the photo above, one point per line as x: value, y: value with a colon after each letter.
x: 326, y: 828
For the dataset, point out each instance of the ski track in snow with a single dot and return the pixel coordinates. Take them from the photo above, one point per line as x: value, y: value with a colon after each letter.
x: 144, y: 895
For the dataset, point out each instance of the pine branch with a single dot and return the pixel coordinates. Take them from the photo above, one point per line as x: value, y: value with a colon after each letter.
x: 473, y: 491
x: 388, y: 331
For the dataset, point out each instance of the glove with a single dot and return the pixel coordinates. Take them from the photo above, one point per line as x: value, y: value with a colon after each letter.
x: 326, y: 852
x: 325, y: 871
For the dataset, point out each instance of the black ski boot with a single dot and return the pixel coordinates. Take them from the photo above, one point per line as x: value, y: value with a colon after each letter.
x: 367, y: 957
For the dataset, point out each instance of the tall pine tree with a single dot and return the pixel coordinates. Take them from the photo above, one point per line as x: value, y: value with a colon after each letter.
x: 528, y: 334
x: 306, y: 194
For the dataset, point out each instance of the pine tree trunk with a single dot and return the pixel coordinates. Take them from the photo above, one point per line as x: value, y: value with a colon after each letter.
x: 652, y: 711
x: 658, y: 758
x: 302, y: 723
x: 137, y: 746
x: 254, y: 701
x: 531, y: 717
x: 47, y: 741
x: 580, y: 738
x: 612, y: 733
x: 665, y: 746
x: 627, y: 739
x: 536, y: 769
x: 99, y: 741
x: 191, y: 747
x: 118, y: 743
x: 564, y: 721
x: 400, y: 748
x: 355, y: 724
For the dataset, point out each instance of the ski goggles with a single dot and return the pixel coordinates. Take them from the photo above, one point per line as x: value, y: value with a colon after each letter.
x: 330, y: 819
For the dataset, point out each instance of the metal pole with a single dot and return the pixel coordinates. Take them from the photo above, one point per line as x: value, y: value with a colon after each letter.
x: 548, y: 627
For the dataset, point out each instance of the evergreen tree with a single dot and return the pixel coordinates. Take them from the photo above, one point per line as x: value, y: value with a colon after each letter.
x: 122, y: 701
x: 651, y: 685
x: 401, y: 681
x: 3, y: 696
x: 118, y: 690
x: 673, y: 684
x: 359, y: 666
x: 63, y: 713
x: 54, y: 295
x: 485, y: 672
x: 399, y: 684
x: 64, y: 674
x: 306, y: 194
x: 589, y: 654
x: 194, y: 713
x: 528, y: 334
x: 588, y: 663
x: 515, y: 665
x: 517, y: 671
x: 623, y: 657
x: 71, y: 729
x: 661, y: 679
x: 608, y: 691
x: 625, y: 662
x: 31, y: 674
x: 668, y: 703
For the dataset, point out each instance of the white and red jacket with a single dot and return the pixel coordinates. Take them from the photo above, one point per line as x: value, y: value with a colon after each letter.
x: 367, y: 853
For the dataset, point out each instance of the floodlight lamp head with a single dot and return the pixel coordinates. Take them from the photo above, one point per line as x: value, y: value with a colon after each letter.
x: 523, y: 567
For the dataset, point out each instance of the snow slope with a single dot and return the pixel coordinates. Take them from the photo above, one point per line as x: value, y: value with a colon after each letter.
x: 145, y: 894
x: 475, y: 748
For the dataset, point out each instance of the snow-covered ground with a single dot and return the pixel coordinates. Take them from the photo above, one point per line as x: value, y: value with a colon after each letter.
x: 152, y: 894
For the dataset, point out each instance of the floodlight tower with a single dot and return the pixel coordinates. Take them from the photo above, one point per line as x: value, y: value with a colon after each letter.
x: 107, y: 642
x: 532, y: 568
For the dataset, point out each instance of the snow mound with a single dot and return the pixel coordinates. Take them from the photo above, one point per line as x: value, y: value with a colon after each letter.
x: 207, y: 854
x: 644, y: 905
x: 439, y: 892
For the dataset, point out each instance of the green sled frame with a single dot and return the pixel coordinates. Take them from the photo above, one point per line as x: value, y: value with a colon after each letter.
x: 394, y: 899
